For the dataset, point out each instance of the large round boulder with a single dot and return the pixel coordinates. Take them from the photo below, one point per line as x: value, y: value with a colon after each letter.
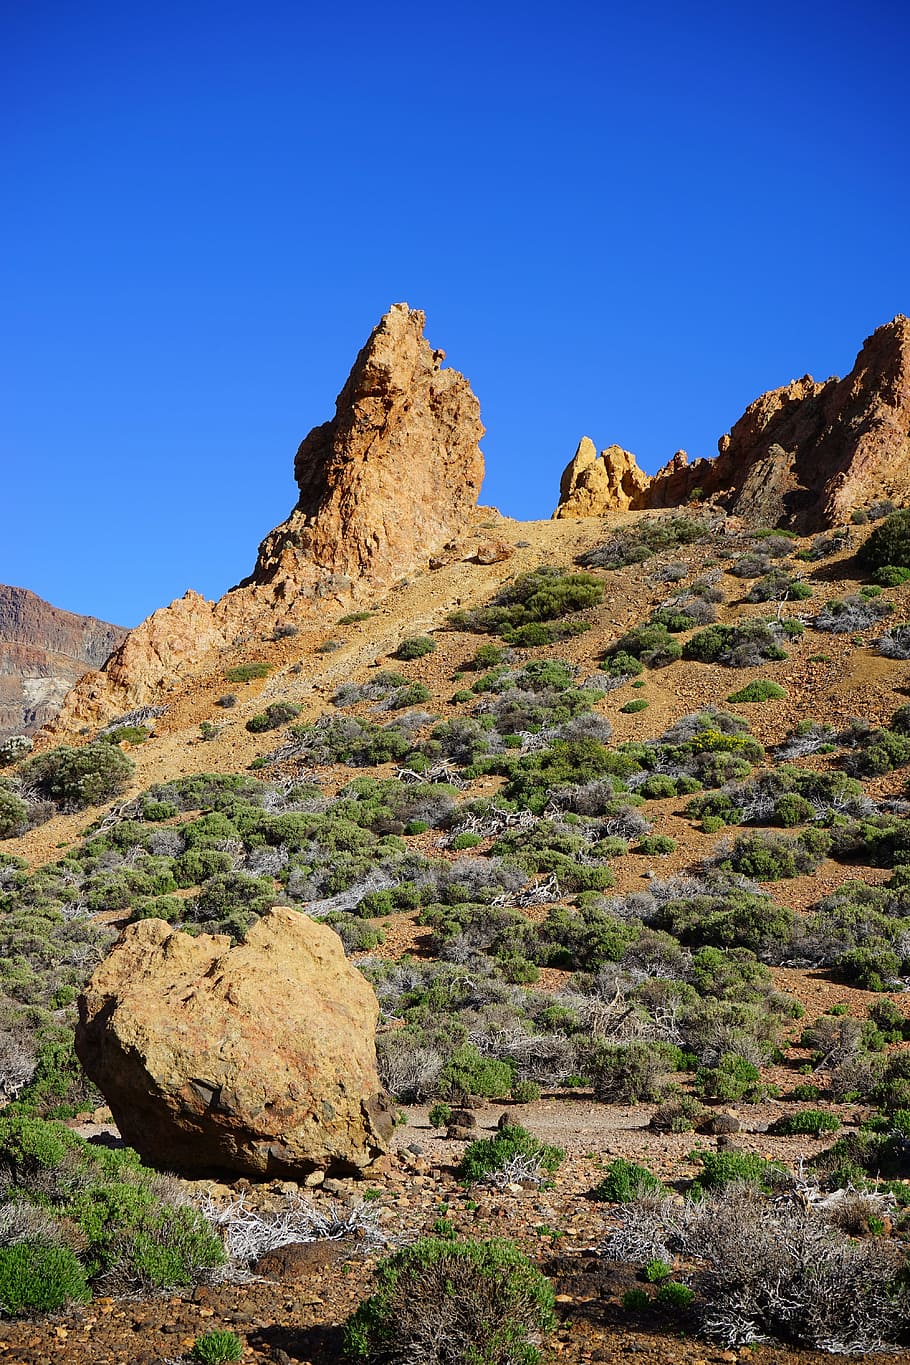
x: 258, y: 1058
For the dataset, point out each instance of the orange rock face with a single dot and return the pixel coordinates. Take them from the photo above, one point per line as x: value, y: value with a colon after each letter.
x: 383, y: 486
x: 802, y: 456
x: 258, y: 1058
x: 394, y: 474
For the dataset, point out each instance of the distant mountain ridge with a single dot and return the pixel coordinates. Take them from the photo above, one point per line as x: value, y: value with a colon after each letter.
x: 43, y: 652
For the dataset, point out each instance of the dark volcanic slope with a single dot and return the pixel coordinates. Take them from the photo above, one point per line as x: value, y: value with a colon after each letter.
x: 43, y: 651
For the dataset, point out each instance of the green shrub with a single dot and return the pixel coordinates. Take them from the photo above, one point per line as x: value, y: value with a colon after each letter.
x: 624, y: 1181
x: 657, y: 1270
x: 484, y: 1301
x: 415, y: 647
x: 733, y: 1078
x: 244, y: 673
x: 215, y: 1348
x: 808, y: 1121
x: 656, y: 844
x: 675, y: 1296
x: 14, y: 814
x: 889, y: 543
x: 722, y: 1168
x: 415, y: 694
x: 760, y: 690
x: 277, y: 713
x: 488, y: 1156
x: 76, y: 778
x: 647, y: 537
x: 636, y: 704
x: 891, y: 576
x: 467, y: 1073
x: 745, y: 645
x: 39, y: 1279
x: 353, y: 617
x: 440, y: 1116
x: 631, y: 1073
x: 636, y: 1300
x: 531, y: 610
x: 652, y: 644
x: 525, y: 1092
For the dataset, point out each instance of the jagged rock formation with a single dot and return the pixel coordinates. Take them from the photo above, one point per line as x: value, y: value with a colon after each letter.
x: 385, y: 484
x: 43, y: 651
x: 803, y: 456
x: 394, y: 474
x: 258, y: 1058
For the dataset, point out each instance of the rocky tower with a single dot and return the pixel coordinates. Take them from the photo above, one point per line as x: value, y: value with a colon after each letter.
x: 395, y: 473
x: 383, y: 485
x: 801, y: 456
x: 43, y: 651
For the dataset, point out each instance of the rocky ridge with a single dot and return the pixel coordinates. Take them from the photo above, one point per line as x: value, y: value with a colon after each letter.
x: 43, y: 652
x: 802, y: 456
x: 385, y: 485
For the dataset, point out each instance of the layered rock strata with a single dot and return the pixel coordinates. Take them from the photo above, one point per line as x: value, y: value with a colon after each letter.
x: 43, y: 651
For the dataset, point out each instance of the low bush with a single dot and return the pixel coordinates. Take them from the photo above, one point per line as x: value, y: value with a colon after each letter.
x: 624, y: 1180
x: 888, y: 544
x: 648, y: 537
x: 467, y: 1073
x: 895, y: 643
x: 76, y: 778
x: 415, y: 647
x: 651, y: 644
x: 891, y: 576
x: 732, y: 1079
x: 848, y: 615
x: 244, y: 673
x: 483, y: 1303
x: 656, y: 845
x: 532, y: 609
x: 745, y: 645
x: 811, y: 1122
x: 217, y: 1348
x: 636, y: 704
x: 36, y: 1278
x: 719, y: 1169
x: 511, y: 1153
x: 762, y: 689
x: 276, y: 714
x: 635, y: 1072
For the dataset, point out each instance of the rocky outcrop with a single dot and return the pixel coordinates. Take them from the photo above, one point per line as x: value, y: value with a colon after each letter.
x: 384, y: 485
x: 43, y: 651
x: 803, y: 456
x: 593, y: 483
x: 395, y: 473
x: 258, y: 1058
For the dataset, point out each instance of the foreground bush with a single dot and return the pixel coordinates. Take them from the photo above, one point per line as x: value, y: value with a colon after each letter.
x: 130, y: 1231
x: 512, y: 1154
x: 465, y: 1303
x: 76, y: 778
x: 39, y: 1279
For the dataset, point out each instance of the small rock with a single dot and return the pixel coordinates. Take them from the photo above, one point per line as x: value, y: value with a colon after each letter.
x: 297, y: 1260
x: 463, y: 1118
x: 493, y: 552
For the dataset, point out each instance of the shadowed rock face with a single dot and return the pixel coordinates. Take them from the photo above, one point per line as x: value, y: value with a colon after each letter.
x: 802, y: 456
x: 43, y: 651
x: 384, y: 485
x: 258, y: 1058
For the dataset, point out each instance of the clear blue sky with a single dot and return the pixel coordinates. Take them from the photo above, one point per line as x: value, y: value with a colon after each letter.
x: 625, y: 221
